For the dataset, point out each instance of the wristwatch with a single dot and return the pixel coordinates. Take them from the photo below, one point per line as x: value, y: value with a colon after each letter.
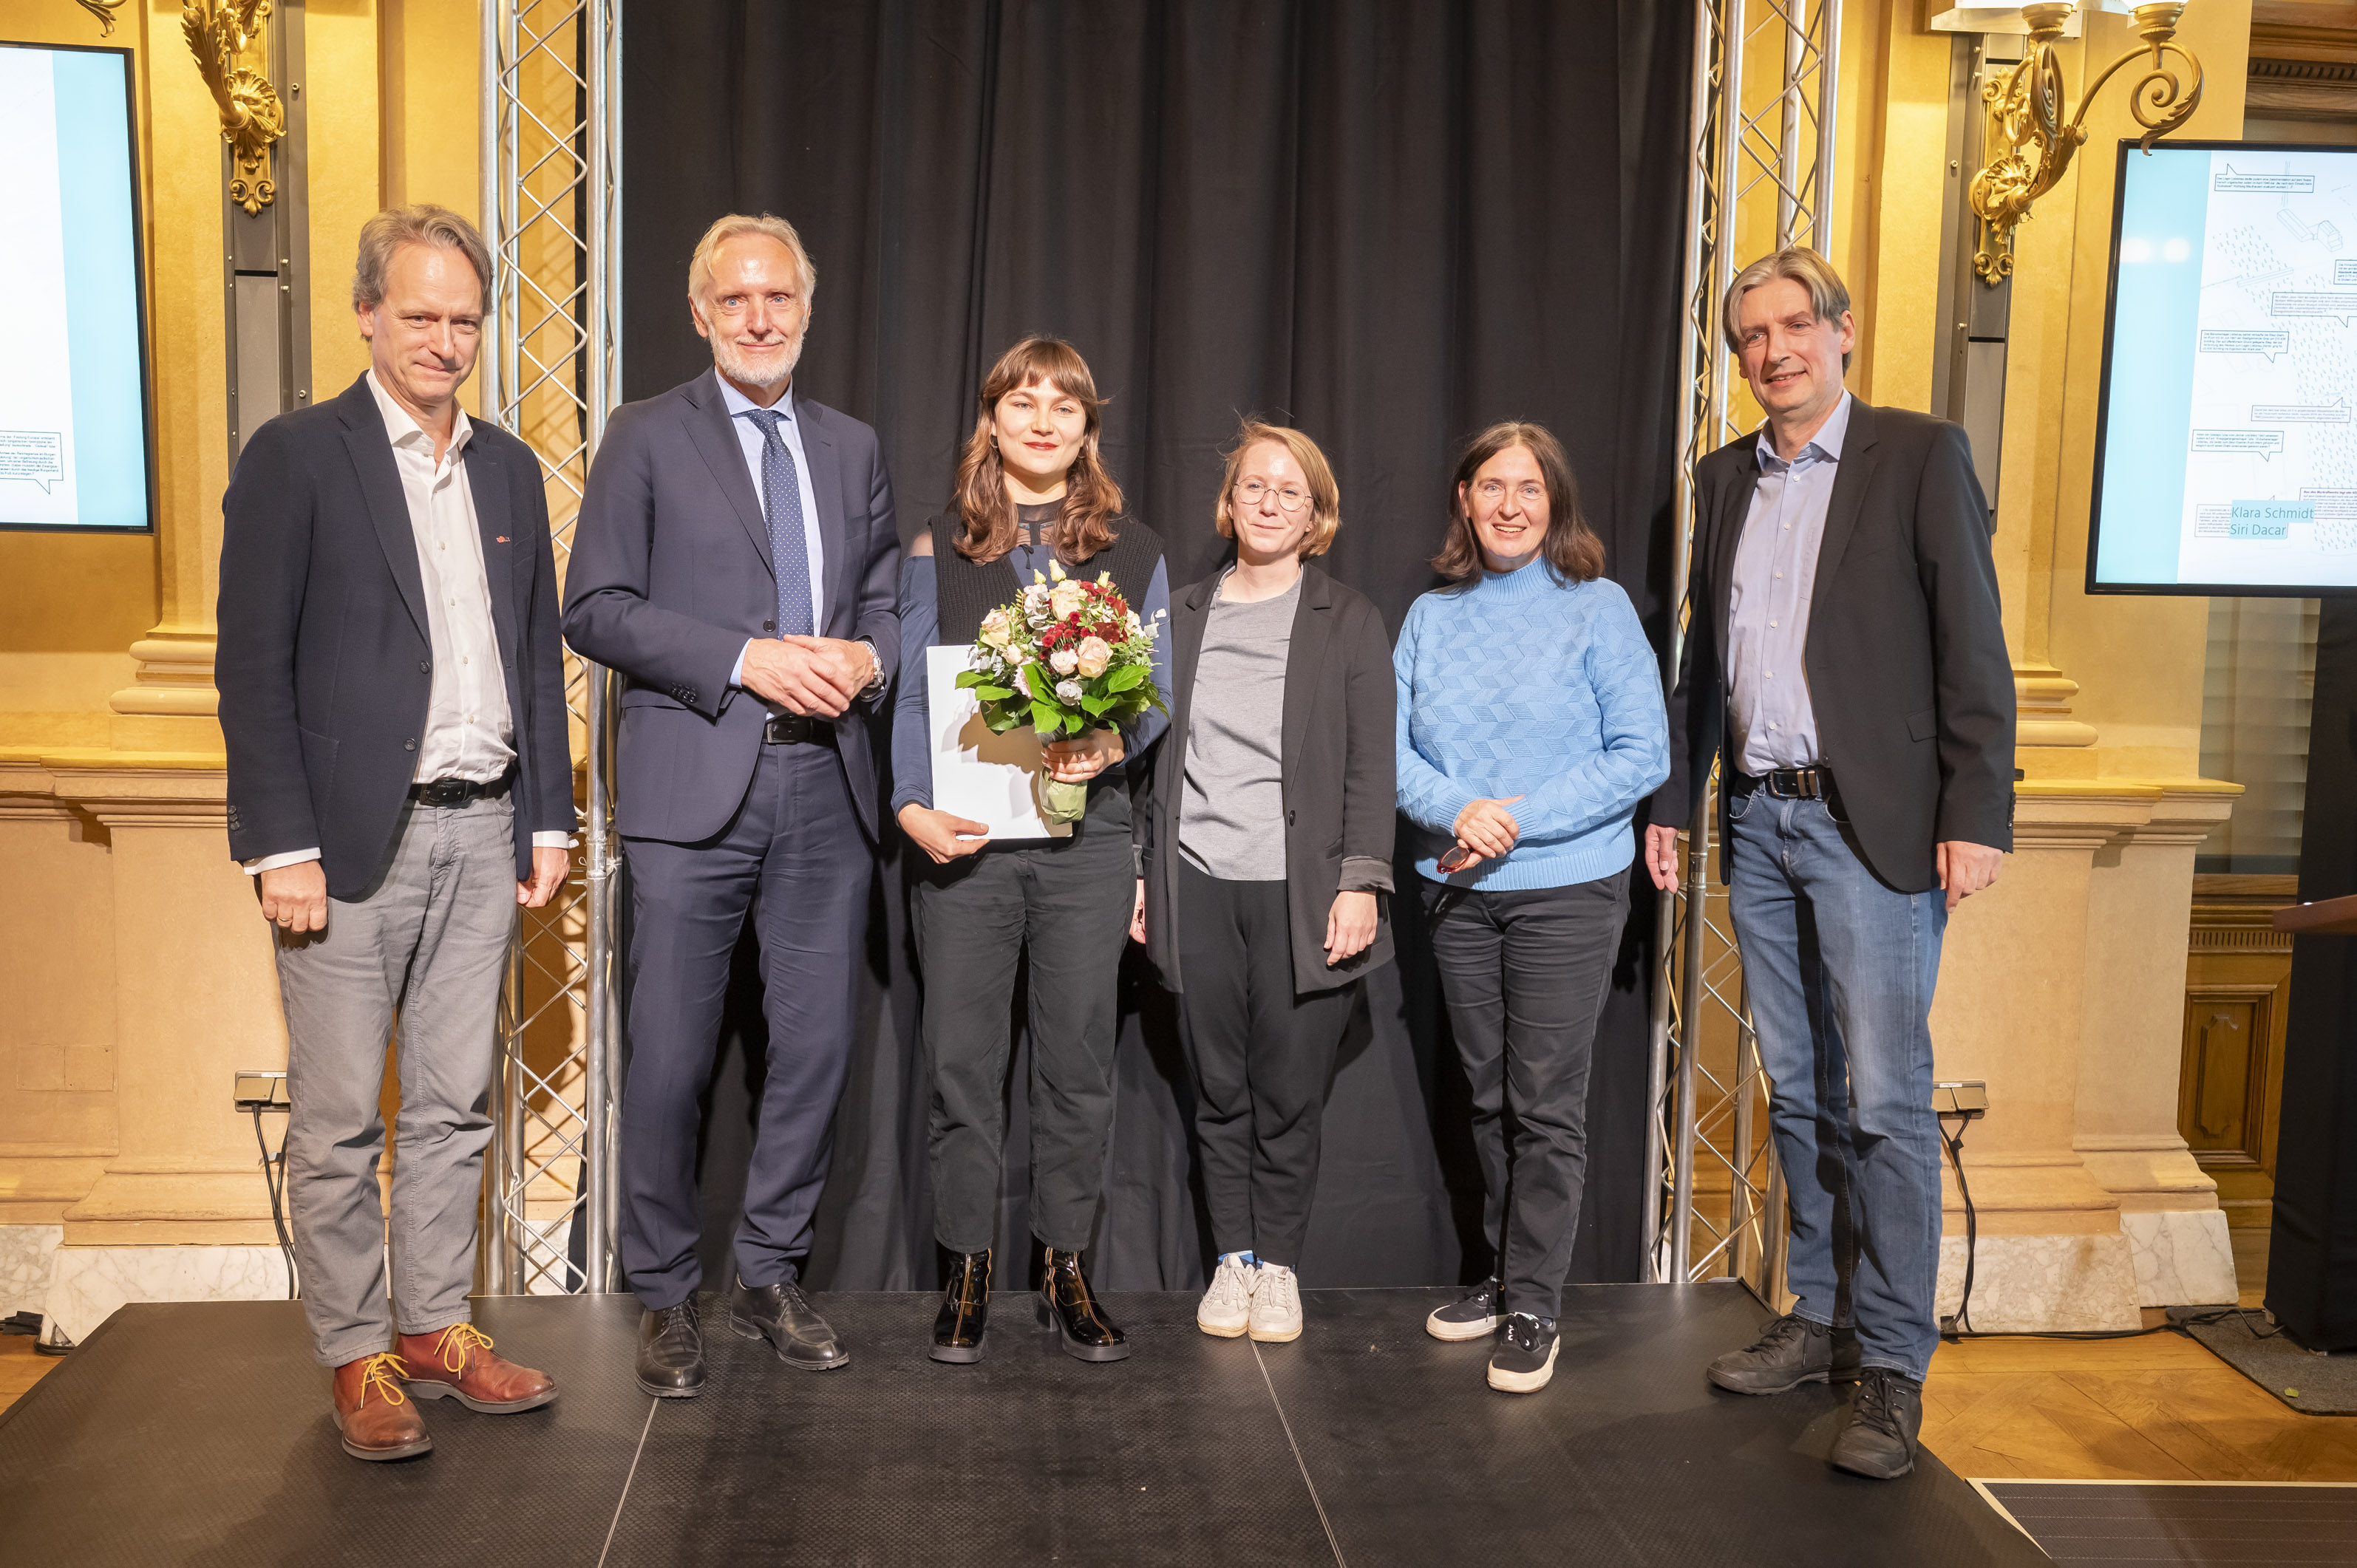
x: 875, y: 686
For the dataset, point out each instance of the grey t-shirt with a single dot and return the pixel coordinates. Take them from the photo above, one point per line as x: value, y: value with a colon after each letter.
x: 1232, y: 809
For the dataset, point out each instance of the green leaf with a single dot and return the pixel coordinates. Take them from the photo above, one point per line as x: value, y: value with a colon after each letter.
x: 1040, y: 686
x: 1000, y: 723
x: 969, y: 678
x: 1123, y: 679
x: 989, y: 693
x: 1073, y: 723
x: 1097, y: 705
x: 1045, y: 719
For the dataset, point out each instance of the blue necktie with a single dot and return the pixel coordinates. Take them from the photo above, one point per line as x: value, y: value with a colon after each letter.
x: 781, y: 501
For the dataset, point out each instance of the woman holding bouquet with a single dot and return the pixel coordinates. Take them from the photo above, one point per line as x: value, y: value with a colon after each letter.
x: 1530, y: 726
x: 1033, y: 501
x: 1267, y: 850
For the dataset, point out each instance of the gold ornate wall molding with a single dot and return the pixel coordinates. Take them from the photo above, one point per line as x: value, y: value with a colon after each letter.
x: 2303, y: 61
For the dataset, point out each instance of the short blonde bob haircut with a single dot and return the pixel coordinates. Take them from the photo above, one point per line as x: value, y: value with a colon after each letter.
x: 735, y: 226
x: 1325, y: 495
x: 1828, y: 296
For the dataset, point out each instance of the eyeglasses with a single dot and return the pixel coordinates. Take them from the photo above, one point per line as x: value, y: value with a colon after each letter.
x: 1529, y: 492
x: 1251, y: 493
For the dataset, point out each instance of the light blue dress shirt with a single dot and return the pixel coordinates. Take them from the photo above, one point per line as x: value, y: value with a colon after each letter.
x: 750, y: 440
x: 1767, y: 621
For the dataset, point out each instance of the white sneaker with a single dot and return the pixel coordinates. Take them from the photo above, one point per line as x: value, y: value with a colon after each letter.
x: 1227, y: 1306
x: 1276, y: 1305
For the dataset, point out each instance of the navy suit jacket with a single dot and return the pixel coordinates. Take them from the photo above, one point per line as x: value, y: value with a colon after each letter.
x: 671, y: 573
x: 325, y: 667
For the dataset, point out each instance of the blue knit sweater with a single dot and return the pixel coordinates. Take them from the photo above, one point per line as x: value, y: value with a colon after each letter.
x: 1519, y: 684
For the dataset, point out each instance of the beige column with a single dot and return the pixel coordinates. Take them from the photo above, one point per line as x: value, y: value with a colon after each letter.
x: 2013, y: 991
x: 2132, y: 1026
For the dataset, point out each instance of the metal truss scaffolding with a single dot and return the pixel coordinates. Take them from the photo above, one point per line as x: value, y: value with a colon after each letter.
x: 552, y: 211
x: 1760, y: 177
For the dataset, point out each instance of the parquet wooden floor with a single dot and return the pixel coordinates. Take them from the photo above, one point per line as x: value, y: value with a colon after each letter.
x: 2159, y: 1408
x: 20, y: 1367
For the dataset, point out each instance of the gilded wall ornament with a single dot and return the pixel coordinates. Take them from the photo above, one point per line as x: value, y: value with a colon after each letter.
x: 251, y: 117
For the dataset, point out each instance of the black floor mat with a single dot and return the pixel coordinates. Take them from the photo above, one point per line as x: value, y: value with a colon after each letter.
x: 199, y: 1434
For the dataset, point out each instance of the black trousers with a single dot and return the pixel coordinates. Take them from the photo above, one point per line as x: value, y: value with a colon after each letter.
x: 1526, y: 974
x: 795, y: 848
x: 1263, y: 1060
x: 1069, y: 901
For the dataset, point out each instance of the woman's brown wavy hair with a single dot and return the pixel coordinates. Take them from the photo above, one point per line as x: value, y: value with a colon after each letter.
x: 1092, y: 499
x: 1573, y: 551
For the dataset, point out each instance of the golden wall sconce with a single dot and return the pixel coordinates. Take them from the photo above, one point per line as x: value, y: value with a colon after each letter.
x: 2030, y: 141
x: 251, y: 117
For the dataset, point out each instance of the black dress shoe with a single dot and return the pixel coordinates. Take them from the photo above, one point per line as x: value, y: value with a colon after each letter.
x: 1067, y: 1306
x: 784, y: 1316
x: 671, y: 1351
x: 1790, y: 1351
x: 1880, y: 1441
x: 965, y: 1316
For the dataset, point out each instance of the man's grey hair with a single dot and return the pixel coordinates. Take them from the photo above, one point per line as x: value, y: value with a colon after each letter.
x: 382, y: 236
x: 1828, y: 296
x: 735, y: 225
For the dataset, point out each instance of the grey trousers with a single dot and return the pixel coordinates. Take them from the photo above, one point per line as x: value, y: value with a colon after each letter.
x: 428, y: 944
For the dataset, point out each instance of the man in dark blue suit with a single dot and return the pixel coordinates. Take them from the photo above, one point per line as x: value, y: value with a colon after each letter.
x: 736, y: 559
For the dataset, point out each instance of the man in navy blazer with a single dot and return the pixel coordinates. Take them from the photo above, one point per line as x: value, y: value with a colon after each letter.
x: 735, y: 560
x: 393, y: 698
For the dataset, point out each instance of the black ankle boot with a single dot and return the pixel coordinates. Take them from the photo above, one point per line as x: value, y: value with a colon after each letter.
x: 1069, y: 1308
x: 965, y: 1309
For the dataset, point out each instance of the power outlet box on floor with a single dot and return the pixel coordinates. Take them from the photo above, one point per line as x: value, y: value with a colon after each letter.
x: 260, y: 1088
x: 1961, y: 1097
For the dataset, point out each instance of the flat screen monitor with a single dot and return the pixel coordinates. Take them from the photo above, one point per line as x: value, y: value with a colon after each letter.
x: 74, y: 451
x: 2226, y: 451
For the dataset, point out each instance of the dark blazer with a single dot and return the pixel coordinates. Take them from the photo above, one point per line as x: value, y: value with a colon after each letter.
x: 324, y: 666
x: 1907, y: 673
x: 671, y: 573
x: 1341, y: 798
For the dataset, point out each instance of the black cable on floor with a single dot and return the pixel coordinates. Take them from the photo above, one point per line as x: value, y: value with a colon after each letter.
x: 1960, y: 1323
x: 274, y: 1176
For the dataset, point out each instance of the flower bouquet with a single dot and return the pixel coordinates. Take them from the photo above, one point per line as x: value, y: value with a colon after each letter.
x: 1063, y: 656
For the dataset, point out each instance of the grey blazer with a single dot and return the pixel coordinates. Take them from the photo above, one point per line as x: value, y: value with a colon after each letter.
x: 671, y: 575
x: 1340, y: 788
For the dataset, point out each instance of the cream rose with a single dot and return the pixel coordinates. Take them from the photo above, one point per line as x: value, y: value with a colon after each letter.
x: 1095, y: 654
x: 1063, y: 661
x: 1067, y: 597
x: 996, y: 629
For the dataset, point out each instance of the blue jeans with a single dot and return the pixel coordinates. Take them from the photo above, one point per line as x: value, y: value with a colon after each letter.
x: 1840, y: 969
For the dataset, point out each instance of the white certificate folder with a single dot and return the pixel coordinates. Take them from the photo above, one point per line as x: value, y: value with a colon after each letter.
x: 989, y: 779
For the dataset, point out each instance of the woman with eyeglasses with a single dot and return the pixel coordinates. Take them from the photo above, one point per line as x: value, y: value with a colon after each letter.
x: 1267, y: 847
x: 1530, y: 726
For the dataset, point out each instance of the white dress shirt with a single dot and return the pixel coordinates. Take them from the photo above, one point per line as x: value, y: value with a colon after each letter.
x: 469, y: 731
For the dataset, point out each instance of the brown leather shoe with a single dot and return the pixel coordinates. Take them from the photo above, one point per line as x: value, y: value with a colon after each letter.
x: 457, y: 1363
x: 376, y: 1420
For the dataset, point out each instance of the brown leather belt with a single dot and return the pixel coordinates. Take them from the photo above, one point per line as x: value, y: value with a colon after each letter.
x: 797, y: 730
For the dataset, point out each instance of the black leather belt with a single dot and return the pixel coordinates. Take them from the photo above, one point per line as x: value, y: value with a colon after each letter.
x: 794, y: 729
x: 1791, y: 783
x: 459, y: 791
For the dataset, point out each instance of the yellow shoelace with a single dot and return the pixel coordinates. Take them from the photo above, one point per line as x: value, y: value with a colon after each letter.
x: 382, y: 1373
x: 456, y: 1342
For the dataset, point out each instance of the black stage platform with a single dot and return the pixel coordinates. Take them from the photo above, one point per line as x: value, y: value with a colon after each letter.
x: 199, y: 1434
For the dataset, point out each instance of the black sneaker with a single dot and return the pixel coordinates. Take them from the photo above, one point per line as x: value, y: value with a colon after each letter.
x: 1524, y: 1360
x: 1880, y: 1441
x: 1475, y: 1318
x: 1790, y: 1351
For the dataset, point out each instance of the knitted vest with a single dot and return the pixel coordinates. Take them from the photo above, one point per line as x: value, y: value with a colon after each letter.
x: 965, y: 591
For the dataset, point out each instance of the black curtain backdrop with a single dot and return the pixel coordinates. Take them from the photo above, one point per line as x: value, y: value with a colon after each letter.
x: 1387, y: 223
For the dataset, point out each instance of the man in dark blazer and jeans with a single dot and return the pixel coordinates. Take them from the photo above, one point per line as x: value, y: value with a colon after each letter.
x: 393, y: 698
x: 1844, y: 663
x: 737, y: 561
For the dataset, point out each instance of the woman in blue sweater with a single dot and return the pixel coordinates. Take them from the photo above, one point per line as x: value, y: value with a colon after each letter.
x: 1530, y: 726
